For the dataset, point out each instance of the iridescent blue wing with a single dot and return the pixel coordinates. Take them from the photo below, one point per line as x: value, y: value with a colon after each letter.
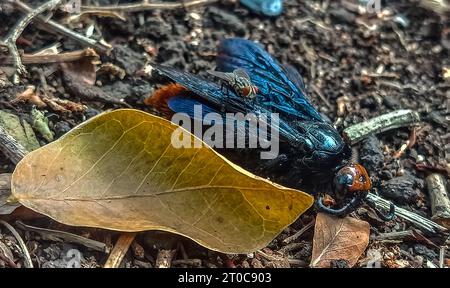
x: 211, y: 92
x: 186, y: 104
x: 213, y: 99
x: 278, y: 92
x: 295, y: 77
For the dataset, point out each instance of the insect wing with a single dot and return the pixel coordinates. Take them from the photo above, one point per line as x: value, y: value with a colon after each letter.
x: 295, y: 77
x: 187, y: 104
x: 210, y: 92
x: 228, y: 77
x: 212, y: 97
x: 276, y: 89
x: 241, y: 73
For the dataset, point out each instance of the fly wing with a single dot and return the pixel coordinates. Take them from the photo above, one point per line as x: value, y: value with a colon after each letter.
x: 228, y: 77
x: 277, y: 91
x: 241, y: 73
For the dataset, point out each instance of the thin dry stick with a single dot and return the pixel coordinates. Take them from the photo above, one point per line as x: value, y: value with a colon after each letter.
x: 324, y: 99
x: 53, y: 26
x: 187, y: 262
x: 418, y: 221
x: 440, y: 202
x: 12, y: 149
x: 26, y: 254
x: 143, y: 6
x: 297, y: 263
x: 10, y: 40
x: 52, y: 58
x: 8, y: 261
x: 441, y: 256
x: 382, y: 123
x: 291, y: 247
x: 299, y: 233
x: 62, y: 236
x: 119, y: 250
x: 269, y: 257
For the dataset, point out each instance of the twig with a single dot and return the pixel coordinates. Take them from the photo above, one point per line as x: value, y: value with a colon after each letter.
x: 119, y: 250
x: 412, y: 234
x: 439, y: 6
x: 271, y: 258
x: 164, y: 258
x: 401, y: 36
x: 10, y: 40
x: 399, y: 86
x: 61, y: 236
x: 440, y: 203
x: 297, y: 263
x: 267, y: 256
x: 382, y: 123
x: 408, y: 145
x: 430, y: 168
x: 188, y: 262
x: 420, y: 222
x: 12, y: 149
x: 442, y: 256
x: 52, y: 58
x: 320, y: 94
x: 291, y: 247
x: 144, y: 6
x: 8, y: 261
x: 299, y: 233
x: 53, y: 26
x: 26, y: 254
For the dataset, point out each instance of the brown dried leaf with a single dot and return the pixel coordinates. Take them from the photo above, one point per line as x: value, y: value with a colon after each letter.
x: 81, y: 71
x: 29, y: 95
x: 338, y: 238
x: 79, y: 79
x: 63, y: 105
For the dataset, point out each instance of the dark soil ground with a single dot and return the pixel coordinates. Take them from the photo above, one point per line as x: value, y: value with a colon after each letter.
x: 374, y: 62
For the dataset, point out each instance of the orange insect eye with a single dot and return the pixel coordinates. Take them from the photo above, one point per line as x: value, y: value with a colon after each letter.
x: 246, y: 91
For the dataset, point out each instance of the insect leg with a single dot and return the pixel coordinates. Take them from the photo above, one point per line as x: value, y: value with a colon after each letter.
x: 341, y: 212
x: 385, y: 217
x: 224, y: 90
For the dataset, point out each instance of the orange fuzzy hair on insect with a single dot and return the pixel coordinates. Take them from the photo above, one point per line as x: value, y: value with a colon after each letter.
x: 160, y: 97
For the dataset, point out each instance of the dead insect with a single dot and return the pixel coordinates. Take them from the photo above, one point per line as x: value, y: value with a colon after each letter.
x: 239, y: 80
x: 313, y: 155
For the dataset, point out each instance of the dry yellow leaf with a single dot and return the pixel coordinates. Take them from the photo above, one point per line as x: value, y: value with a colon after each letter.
x: 119, y: 171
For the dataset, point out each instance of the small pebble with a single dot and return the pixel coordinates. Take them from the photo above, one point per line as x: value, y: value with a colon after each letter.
x: 402, y: 189
x: 420, y: 158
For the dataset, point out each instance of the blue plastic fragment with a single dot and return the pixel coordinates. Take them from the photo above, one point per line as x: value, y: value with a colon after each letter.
x: 266, y: 7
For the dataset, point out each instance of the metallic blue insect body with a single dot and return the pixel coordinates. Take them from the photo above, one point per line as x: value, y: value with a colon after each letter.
x: 319, y: 147
x: 315, y: 150
x: 266, y: 7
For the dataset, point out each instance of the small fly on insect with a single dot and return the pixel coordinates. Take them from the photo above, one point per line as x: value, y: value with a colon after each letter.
x: 239, y: 81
